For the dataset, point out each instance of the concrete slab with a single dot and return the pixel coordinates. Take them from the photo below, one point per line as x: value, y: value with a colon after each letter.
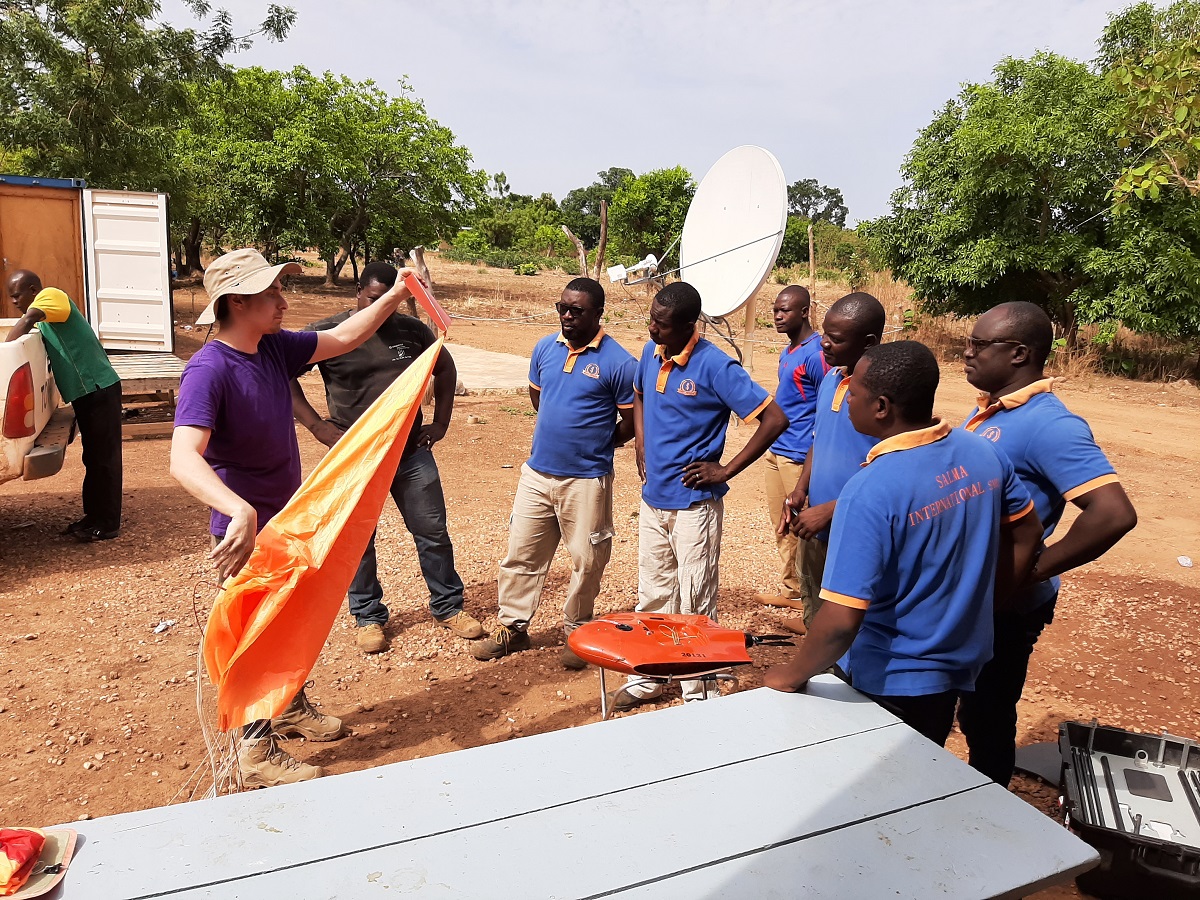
x: 488, y: 372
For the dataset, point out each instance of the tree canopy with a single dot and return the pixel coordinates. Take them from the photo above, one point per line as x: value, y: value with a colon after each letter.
x: 93, y: 88
x: 1007, y: 198
x: 581, y: 207
x: 807, y: 199
x: 647, y: 213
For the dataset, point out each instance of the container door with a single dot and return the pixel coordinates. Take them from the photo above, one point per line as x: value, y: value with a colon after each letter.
x: 128, y: 270
x: 40, y: 231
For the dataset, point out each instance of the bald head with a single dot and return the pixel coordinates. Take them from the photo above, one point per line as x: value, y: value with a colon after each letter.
x: 864, y: 311
x: 23, y: 286
x: 1029, y: 324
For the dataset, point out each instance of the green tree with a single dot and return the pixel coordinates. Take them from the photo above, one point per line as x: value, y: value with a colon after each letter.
x: 647, y: 213
x: 323, y: 162
x: 1152, y: 57
x: 812, y: 201
x: 95, y: 88
x: 581, y: 207
x: 1005, y: 192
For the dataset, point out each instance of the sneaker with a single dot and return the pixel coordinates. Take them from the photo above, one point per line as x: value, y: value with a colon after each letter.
x: 463, y: 624
x: 572, y: 660
x: 263, y: 764
x: 626, y: 701
x: 302, y: 719
x: 779, y: 600
x: 503, y: 641
x: 370, y: 638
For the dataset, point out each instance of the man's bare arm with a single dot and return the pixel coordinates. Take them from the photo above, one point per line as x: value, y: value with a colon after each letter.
x: 832, y: 632
x: 25, y: 324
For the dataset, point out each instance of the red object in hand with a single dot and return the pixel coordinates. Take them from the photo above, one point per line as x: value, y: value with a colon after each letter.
x: 659, y: 645
x: 20, y: 849
x: 421, y: 294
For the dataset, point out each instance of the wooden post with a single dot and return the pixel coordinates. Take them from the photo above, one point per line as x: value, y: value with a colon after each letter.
x: 748, y: 336
x: 812, y: 264
x: 583, y: 266
x: 603, y: 238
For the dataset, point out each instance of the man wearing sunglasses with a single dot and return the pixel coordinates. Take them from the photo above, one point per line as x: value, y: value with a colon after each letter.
x: 580, y: 380
x: 1057, y: 459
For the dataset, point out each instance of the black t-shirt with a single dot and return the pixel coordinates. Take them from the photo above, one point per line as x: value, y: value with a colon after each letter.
x: 355, y: 380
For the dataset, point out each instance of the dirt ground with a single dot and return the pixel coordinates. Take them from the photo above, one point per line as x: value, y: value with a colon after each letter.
x: 98, y: 709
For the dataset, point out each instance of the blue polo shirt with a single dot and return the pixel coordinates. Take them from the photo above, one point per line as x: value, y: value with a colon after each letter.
x: 686, y: 401
x: 581, y: 391
x: 838, y: 449
x: 1053, y: 453
x: 801, y: 371
x: 914, y: 543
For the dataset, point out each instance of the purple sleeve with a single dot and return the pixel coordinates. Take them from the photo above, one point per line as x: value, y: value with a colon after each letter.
x: 298, y: 348
x: 199, y: 399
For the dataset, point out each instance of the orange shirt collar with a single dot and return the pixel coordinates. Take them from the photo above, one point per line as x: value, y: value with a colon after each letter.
x: 839, y: 393
x: 573, y: 354
x: 681, y: 358
x: 910, y: 439
x: 1009, y: 401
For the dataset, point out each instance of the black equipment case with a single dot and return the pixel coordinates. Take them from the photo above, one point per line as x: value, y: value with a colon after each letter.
x: 1136, y: 799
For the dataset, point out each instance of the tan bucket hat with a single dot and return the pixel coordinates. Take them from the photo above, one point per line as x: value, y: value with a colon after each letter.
x: 52, y: 863
x: 244, y: 271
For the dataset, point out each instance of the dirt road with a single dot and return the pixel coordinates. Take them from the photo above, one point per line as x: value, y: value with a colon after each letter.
x: 98, y: 711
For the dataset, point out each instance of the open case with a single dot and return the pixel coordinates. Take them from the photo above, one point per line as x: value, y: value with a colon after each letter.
x: 1136, y: 799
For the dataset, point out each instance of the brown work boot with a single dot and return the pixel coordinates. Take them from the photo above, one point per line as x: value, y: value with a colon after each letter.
x: 503, y: 641
x: 572, y: 660
x: 263, y: 764
x: 463, y: 624
x: 302, y: 719
x: 779, y: 600
x: 796, y: 625
x: 370, y: 638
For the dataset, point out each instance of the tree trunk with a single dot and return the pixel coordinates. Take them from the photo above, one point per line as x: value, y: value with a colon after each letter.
x: 332, y: 268
x: 417, y: 254
x: 191, y: 249
x: 583, y: 266
x: 603, y: 239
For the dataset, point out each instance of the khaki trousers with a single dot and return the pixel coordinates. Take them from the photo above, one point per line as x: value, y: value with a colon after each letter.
x: 548, y: 509
x: 810, y: 569
x: 679, y: 551
x: 781, y: 477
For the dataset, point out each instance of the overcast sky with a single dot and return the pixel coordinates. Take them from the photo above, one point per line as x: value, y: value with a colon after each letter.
x: 552, y: 92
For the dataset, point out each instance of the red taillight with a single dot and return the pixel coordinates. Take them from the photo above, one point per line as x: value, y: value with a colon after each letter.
x: 18, y: 404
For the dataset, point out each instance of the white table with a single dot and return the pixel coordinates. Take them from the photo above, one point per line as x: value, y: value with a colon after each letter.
x: 757, y: 794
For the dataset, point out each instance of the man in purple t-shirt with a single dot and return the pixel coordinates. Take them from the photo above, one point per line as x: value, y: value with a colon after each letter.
x: 234, y: 447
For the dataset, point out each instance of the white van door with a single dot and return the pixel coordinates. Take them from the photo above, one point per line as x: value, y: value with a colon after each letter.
x: 128, y: 270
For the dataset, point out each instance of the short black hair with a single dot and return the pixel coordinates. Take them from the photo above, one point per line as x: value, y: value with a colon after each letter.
x: 906, y: 372
x: 1029, y: 324
x: 589, y: 286
x: 863, y: 310
x: 378, y: 272
x: 799, y: 291
x: 682, y: 300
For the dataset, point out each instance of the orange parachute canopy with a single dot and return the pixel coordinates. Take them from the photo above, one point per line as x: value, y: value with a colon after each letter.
x: 272, y: 619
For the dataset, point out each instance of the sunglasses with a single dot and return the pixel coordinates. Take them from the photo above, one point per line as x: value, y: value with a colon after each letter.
x: 977, y: 344
x: 565, y: 309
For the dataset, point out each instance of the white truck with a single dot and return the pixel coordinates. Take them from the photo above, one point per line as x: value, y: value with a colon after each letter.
x: 109, y: 251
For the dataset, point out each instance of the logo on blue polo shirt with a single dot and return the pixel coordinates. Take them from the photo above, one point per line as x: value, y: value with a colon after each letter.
x: 591, y: 370
x: 687, y: 387
x: 992, y: 433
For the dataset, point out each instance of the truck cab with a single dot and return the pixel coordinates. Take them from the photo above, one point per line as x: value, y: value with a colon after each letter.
x: 34, y: 429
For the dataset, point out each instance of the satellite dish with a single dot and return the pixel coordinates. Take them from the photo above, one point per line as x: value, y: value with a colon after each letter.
x: 734, y: 229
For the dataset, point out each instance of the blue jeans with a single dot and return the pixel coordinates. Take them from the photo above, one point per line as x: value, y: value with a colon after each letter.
x: 417, y: 490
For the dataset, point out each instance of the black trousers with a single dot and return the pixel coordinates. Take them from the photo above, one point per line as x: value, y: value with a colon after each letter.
x: 932, y: 715
x: 98, y: 416
x: 988, y: 716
